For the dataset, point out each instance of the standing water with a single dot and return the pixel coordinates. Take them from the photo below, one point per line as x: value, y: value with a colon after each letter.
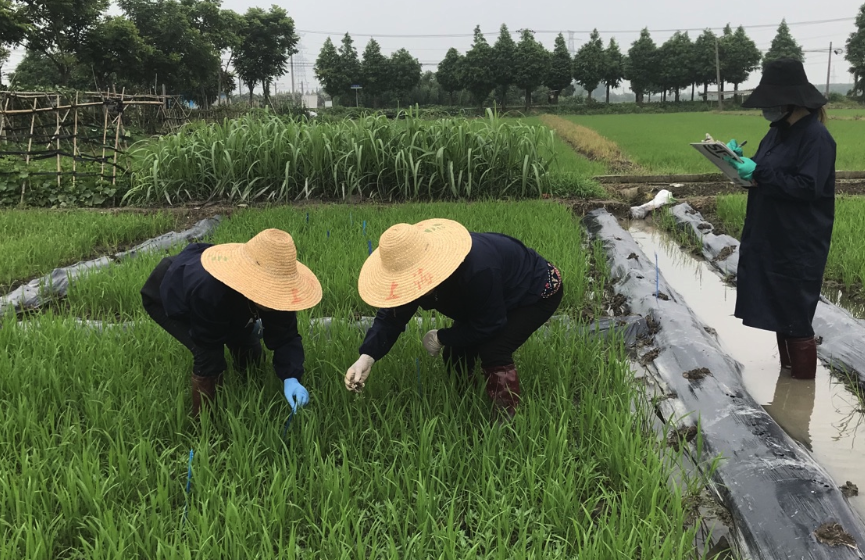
x: 822, y: 415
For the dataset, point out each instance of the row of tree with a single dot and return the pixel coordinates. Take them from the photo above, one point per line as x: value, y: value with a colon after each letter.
x: 177, y: 43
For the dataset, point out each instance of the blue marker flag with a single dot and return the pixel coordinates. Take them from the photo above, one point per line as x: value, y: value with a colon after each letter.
x: 369, y: 245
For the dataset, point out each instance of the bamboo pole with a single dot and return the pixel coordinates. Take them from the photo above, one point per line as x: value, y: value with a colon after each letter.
x: 29, y: 145
x: 57, y: 136
x: 104, y: 140
x: 3, y: 120
x: 117, y: 140
x: 75, y: 141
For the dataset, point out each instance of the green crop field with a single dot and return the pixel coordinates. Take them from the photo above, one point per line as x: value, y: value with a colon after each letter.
x: 96, y: 438
x: 846, y: 262
x: 33, y: 242
x: 660, y: 143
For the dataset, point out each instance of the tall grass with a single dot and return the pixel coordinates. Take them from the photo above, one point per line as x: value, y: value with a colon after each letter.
x: 33, y: 242
x: 846, y: 263
x: 267, y: 158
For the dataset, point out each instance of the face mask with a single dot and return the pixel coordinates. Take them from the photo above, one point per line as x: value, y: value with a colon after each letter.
x: 774, y: 114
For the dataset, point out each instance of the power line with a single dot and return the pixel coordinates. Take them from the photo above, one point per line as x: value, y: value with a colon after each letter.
x: 492, y: 33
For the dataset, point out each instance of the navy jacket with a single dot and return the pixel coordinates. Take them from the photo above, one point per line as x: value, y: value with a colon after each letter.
x: 788, y: 228
x: 218, y: 315
x: 498, y: 274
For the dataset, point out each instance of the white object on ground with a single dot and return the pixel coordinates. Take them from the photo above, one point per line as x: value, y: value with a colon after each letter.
x: 661, y: 199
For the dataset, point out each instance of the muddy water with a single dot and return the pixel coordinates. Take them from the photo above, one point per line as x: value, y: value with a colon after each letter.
x: 821, y: 415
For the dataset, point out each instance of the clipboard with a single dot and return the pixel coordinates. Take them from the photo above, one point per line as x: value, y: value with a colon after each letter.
x: 715, y: 152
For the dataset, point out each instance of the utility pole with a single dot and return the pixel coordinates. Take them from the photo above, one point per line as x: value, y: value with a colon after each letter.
x: 829, y: 70
x: 718, y: 76
x: 292, y: 74
x: 571, y: 42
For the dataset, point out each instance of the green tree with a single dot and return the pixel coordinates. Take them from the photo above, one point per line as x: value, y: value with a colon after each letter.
x: 477, y: 75
x: 784, y: 46
x: 640, y: 66
x: 328, y: 71
x: 614, y: 67
x: 348, y: 63
x: 675, y: 63
x: 13, y: 24
x: 589, y: 64
x: 267, y: 40
x: 559, y: 76
x: 4, y: 58
x: 741, y: 57
x: 374, y: 68
x: 703, y: 62
x: 58, y: 29
x: 504, y: 53
x: 531, y: 63
x: 404, y: 71
x: 37, y: 72
x: 855, y: 54
x: 449, y: 73
x: 114, y: 53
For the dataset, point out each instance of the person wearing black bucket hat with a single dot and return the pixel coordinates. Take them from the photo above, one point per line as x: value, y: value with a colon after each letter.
x: 790, y: 214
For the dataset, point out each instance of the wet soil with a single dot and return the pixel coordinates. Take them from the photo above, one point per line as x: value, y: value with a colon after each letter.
x: 834, y: 534
x: 697, y: 374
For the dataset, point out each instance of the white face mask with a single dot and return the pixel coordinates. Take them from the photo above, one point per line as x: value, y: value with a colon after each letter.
x: 775, y: 114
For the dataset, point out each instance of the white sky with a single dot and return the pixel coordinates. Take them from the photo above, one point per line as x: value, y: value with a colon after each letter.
x: 396, y: 24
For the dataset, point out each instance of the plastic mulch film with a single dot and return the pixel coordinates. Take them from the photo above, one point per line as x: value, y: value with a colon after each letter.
x: 777, y: 494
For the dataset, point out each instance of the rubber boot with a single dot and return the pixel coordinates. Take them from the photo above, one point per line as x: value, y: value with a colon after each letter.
x: 803, y: 357
x: 783, y: 353
x: 204, y: 389
x: 503, y: 388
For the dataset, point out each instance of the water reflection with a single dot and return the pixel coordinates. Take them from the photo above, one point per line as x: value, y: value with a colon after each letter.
x: 792, y: 406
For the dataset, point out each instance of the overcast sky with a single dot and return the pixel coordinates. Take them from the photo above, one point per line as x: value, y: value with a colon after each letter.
x: 396, y: 24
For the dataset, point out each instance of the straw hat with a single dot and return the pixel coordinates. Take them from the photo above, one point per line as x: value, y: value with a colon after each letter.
x: 265, y: 270
x: 411, y: 260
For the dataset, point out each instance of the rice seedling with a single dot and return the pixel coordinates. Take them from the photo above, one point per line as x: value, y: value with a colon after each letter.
x: 33, y: 242
x: 266, y: 158
x: 660, y: 143
x: 95, y: 446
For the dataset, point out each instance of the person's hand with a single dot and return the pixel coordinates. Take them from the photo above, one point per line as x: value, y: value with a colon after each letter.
x: 355, y: 377
x: 295, y: 393
x: 735, y: 147
x: 745, y: 167
x: 431, y: 343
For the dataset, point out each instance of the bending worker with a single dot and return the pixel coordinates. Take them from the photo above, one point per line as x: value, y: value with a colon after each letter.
x: 211, y: 296
x: 497, y: 291
x: 790, y: 214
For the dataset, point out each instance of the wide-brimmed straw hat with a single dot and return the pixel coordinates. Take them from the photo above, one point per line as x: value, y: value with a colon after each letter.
x: 265, y: 270
x: 784, y: 82
x: 411, y: 260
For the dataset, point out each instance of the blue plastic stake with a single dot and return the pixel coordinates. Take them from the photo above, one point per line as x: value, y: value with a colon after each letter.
x: 657, y: 278
x: 328, y: 234
x: 369, y: 245
x: 364, y: 227
x: 188, y: 487
x: 419, y: 386
x: 287, y: 424
x: 307, y: 217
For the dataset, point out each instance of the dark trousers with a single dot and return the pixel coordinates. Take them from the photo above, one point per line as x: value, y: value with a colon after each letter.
x: 245, y: 348
x: 499, y: 350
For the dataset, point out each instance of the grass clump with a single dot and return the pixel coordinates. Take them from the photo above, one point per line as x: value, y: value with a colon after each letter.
x: 34, y: 242
x: 267, y: 158
x: 589, y: 143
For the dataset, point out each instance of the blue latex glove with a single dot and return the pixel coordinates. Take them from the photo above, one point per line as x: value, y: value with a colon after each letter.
x: 295, y: 393
x: 735, y: 147
x: 745, y: 167
x: 257, y: 330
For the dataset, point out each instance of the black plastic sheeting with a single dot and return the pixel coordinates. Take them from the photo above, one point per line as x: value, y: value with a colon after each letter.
x: 777, y: 494
x: 842, y: 349
x: 56, y: 283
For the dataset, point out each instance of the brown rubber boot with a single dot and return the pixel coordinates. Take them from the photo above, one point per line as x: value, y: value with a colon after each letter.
x: 503, y: 388
x: 783, y: 353
x: 803, y: 357
x: 204, y: 386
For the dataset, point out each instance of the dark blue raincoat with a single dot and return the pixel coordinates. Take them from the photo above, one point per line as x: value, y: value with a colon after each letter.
x: 788, y: 228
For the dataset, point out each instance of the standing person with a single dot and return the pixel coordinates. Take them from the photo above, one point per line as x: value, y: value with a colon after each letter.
x: 211, y: 296
x: 497, y: 291
x: 790, y: 214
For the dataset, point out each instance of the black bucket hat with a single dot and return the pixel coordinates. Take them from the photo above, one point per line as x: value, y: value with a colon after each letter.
x: 784, y: 82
